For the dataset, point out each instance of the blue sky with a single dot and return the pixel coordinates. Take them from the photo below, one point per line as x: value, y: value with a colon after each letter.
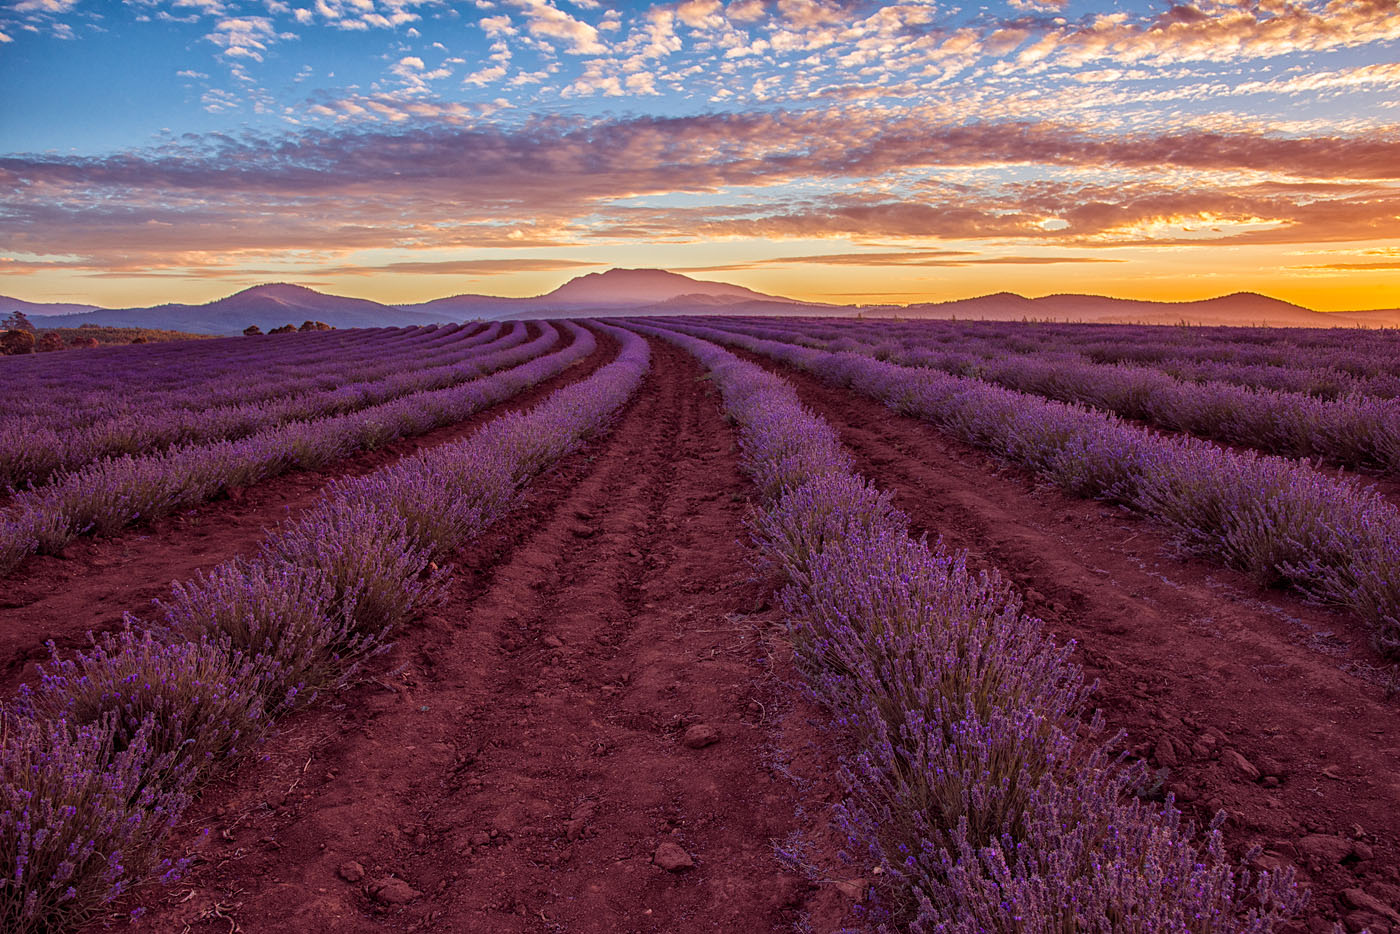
x: 414, y: 147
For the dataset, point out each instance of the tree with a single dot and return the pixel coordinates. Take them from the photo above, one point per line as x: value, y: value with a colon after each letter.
x: 16, y: 341
x: 252, y: 330
x: 49, y: 342
x: 284, y: 329
x: 138, y: 340
x: 18, y: 321
x: 83, y: 342
x: 315, y: 326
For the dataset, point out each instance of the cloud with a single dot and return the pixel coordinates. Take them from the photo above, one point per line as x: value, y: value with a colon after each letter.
x: 45, y: 6
x: 441, y: 176
x: 244, y: 36
x: 1383, y: 264
x: 464, y: 267
x: 542, y: 19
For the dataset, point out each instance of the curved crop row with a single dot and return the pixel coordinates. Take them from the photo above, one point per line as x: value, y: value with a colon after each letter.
x: 973, y: 785
x: 1301, y: 365
x: 122, y: 379
x: 106, y: 496
x: 98, y: 761
x: 1284, y: 522
x: 30, y: 454
x: 1354, y: 432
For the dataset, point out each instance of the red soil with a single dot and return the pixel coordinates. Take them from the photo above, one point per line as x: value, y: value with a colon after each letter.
x: 96, y: 581
x: 542, y: 741
x: 1212, y: 678
x: 521, y: 758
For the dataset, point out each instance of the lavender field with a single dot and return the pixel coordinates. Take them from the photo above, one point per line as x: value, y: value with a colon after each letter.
x: 805, y: 623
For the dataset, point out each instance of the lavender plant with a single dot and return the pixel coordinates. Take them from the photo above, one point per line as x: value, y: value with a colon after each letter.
x: 192, y: 704
x: 279, y: 616
x: 80, y: 822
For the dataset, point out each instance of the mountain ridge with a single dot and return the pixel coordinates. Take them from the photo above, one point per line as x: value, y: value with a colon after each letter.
x: 645, y: 292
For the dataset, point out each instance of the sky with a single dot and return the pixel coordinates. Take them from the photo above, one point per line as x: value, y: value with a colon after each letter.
x: 830, y: 150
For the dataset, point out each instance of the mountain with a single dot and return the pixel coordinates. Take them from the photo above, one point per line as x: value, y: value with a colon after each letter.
x: 646, y: 287
x: 8, y: 304
x: 617, y: 291
x: 1240, y: 309
x: 267, y: 306
x: 645, y: 292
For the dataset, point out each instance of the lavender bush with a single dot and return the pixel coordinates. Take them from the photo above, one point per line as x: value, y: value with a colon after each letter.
x: 192, y: 704
x: 79, y: 822
x: 280, y: 616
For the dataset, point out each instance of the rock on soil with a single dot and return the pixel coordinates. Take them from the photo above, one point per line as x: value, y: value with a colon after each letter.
x: 670, y: 857
x: 392, y: 891
x: 1324, y: 849
x: 700, y: 735
x: 351, y: 871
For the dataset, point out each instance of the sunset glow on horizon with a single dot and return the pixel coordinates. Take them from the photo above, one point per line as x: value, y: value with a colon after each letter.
x: 401, y: 150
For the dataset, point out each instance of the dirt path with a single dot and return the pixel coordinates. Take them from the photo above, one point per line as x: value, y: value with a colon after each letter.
x: 98, y: 580
x: 599, y: 690
x: 1197, y: 664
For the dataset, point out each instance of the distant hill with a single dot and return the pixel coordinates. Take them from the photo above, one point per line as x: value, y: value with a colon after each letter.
x: 9, y: 304
x: 617, y: 291
x: 267, y: 306
x: 647, y: 287
x: 1241, y: 309
x: 645, y: 292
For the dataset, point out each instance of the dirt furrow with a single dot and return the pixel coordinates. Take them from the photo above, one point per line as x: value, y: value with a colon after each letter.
x: 597, y: 697
x: 1243, y: 699
x: 97, y: 581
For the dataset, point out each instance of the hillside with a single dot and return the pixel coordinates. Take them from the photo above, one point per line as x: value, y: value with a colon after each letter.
x: 10, y: 304
x: 656, y: 292
x: 267, y: 306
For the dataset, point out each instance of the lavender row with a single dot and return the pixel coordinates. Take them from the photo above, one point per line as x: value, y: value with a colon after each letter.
x: 183, y: 386
x: 106, y: 496
x: 101, y: 758
x: 972, y: 783
x: 1349, y: 351
x: 30, y: 454
x: 1332, y: 539
x: 33, y: 378
x: 965, y: 347
x: 1355, y: 432
x: 1291, y: 366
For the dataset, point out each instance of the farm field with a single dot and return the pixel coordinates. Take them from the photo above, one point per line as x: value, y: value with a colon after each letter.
x: 704, y: 624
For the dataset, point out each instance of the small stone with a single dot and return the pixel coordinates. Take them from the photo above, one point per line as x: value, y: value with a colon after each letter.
x: 1356, y: 898
x: 1239, y: 763
x: 670, y: 857
x: 553, y: 642
x: 1271, y: 767
x: 700, y: 735
x: 1324, y: 849
x: 1270, y: 781
x: 480, y: 838
x: 1362, y: 851
x: 351, y: 871
x: 578, y: 820
x: 854, y: 889
x: 392, y: 891
x: 1165, y: 752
